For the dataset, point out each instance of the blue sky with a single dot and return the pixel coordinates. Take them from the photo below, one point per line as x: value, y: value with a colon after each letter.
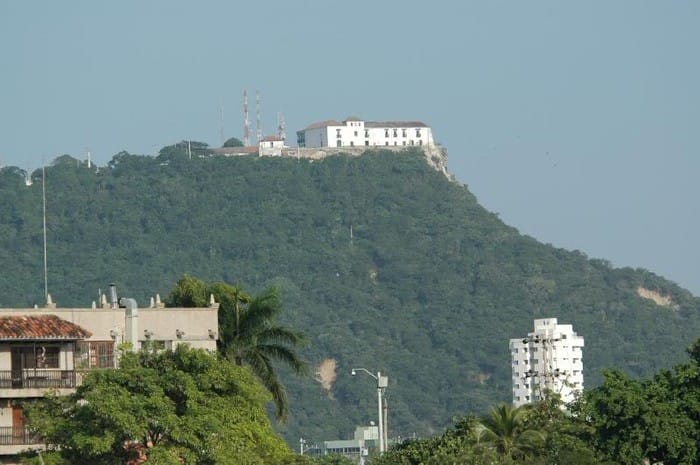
x: 577, y: 122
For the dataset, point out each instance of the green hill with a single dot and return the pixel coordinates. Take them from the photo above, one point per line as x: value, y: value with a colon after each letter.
x: 382, y: 261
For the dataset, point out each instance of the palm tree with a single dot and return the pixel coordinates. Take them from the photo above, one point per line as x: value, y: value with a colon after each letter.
x: 256, y: 340
x: 248, y: 333
x: 506, y: 431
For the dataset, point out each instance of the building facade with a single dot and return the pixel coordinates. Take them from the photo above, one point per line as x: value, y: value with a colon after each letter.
x: 354, y: 132
x: 548, y: 360
x: 51, y: 349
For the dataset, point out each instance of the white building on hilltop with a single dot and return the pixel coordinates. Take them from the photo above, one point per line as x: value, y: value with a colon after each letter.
x: 549, y: 359
x: 354, y: 132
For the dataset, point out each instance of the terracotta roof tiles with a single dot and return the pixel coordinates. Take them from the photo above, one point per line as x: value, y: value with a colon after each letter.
x: 40, y: 327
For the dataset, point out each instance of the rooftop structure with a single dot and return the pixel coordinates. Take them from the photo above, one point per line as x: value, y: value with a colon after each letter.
x: 51, y: 349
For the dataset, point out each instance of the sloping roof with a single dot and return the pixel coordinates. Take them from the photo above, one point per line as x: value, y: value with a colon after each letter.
x: 40, y: 327
x: 395, y: 124
x: 271, y: 139
x: 368, y: 124
x: 323, y: 124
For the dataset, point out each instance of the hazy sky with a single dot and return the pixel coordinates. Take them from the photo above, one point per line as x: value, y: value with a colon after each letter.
x: 578, y: 122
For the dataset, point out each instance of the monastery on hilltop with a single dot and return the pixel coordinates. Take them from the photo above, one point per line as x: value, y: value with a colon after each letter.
x: 353, y: 132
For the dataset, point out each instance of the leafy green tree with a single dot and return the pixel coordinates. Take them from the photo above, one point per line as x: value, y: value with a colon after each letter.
x: 506, y: 431
x: 181, y: 407
x: 233, y: 142
x: 636, y: 421
x: 248, y: 332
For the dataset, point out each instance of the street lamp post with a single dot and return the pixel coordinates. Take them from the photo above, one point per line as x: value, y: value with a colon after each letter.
x: 382, y: 383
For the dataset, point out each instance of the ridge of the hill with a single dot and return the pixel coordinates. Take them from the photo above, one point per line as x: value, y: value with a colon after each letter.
x: 381, y: 260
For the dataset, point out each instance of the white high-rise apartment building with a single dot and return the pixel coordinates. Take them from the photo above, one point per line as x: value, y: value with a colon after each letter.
x: 549, y: 359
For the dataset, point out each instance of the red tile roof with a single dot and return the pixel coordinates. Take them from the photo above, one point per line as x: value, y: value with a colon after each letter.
x: 40, y: 327
x: 271, y: 139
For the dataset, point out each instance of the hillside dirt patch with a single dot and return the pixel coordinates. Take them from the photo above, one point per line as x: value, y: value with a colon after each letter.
x: 658, y: 298
x: 326, y: 374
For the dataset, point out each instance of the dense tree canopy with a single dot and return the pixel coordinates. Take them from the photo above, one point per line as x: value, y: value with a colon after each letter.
x: 382, y: 261
x: 182, y: 407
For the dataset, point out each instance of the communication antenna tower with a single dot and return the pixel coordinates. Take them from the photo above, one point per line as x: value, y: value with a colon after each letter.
x: 246, y: 122
x: 89, y: 159
x: 258, y: 125
x: 281, y: 126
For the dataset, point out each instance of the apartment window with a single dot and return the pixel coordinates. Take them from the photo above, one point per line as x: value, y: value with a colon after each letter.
x: 352, y: 144
x: 366, y: 143
x: 404, y: 142
x: 94, y: 354
x: 339, y: 143
x: 355, y: 133
x: 412, y: 142
x: 337, y: 133
x: 517, y: 386
x: 417, y: 132
x: 366, y: 133
x: 420, y: 142
x: 396, y: 134
x: 403, y: 133
x: 386, y: 133
x: 37, y: 356
x: 395, y: 143
x: 386, y: 143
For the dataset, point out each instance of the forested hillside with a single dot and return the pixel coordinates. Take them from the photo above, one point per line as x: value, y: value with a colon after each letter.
x: 381, y: 261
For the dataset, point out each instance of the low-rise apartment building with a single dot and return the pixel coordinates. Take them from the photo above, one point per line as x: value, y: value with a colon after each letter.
x: 50, y: 349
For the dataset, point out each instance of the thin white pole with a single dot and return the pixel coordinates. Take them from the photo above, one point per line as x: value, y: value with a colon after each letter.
x: 381, y: 415
x: 43, y: 196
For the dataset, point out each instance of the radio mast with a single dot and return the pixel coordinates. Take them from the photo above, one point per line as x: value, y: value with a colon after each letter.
x: 258, y: 124
x: 246, y: 122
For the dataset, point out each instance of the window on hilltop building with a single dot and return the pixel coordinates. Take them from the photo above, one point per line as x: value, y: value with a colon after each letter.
x: 396, y: 134
x: 366, y: 133
x: 355, y: 133
x: 404, y: 142
x: 352, y: 144
x: 339, y: 143
x: 420, y: 142
x: 386, y: 143
x: 366, y: 143
x: 403, y: 133
x: 417, y: 132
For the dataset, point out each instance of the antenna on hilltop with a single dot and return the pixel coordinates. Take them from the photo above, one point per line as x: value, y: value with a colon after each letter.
x: 281, y: 126
x: 246, y: 123
x: 258, y: 125
x: 89, y: 160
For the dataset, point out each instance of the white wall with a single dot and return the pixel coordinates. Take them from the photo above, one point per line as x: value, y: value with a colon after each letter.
x: 558, y: 348
x: 357, y: 134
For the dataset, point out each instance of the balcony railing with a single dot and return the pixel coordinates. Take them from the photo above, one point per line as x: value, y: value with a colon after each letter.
x: 17, y: 436
x: 37, y: 378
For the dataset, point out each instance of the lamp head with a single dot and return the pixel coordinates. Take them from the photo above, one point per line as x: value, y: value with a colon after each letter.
x: 353, y: 372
